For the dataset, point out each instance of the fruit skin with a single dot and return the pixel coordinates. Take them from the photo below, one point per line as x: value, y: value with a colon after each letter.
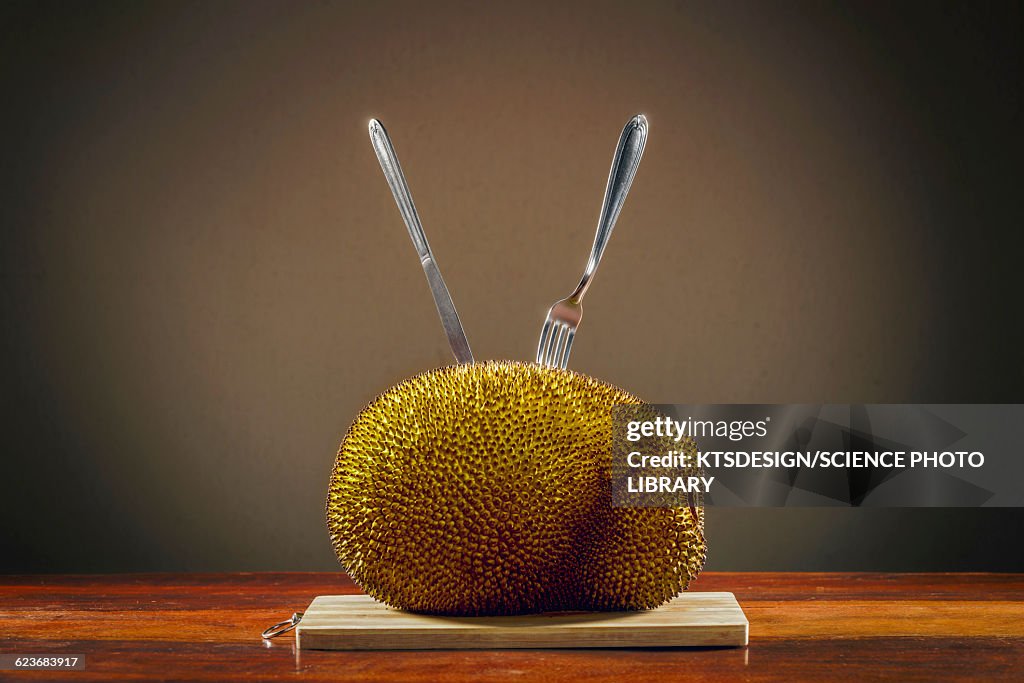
x: 485, y: 489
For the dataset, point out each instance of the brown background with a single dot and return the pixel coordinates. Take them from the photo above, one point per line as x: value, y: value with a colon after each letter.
x: 204, y: 276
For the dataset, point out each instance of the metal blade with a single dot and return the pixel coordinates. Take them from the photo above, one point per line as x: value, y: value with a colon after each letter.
x: 446, y: 309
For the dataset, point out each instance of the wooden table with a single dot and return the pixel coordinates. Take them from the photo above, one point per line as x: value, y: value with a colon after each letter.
x: 924, y: 627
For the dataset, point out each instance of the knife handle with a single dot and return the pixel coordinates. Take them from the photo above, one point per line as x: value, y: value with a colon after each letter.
x: 399, y: 187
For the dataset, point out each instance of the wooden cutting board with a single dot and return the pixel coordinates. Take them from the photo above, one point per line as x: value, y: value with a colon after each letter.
x: 358, y: 622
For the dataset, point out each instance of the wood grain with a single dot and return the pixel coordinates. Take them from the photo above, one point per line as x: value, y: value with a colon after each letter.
x: 358, y: 622
x: 205, y: 627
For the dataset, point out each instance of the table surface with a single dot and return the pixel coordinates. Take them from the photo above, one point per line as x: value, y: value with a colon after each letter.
x: 802, y: 626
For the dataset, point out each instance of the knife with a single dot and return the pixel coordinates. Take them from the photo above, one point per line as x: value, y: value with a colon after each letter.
x: 400, y: 189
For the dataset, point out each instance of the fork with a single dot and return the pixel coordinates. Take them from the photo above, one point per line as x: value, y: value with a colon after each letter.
x: 564, y: 317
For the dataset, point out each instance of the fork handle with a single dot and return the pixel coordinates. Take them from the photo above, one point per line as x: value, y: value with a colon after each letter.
x: 620, y: 178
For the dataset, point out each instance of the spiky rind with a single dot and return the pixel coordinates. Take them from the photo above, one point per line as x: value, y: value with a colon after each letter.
x: 485, y: 489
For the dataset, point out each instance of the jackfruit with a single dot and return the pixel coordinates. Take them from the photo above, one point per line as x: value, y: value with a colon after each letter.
x: 485, y: 489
